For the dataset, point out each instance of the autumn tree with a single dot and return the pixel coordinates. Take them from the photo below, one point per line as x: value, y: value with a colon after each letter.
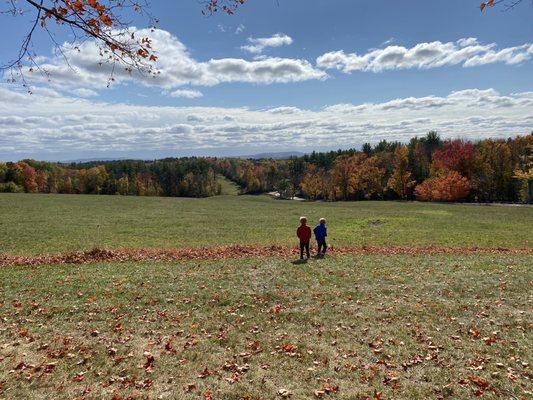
x: 30, y: 175
x: 42, y: 181
x: 295, y: 170
x: 449, y: 187
x: 3, y: 172
x: 454, y: 155
x: 368, y: 181
x: 313, y: 183
x: 420, y: 154
x: 123, y: 186
x: 357, y: 177
x: 494, y: 170
x: 524, y: 174
x: 344, y: 168
x: 400, y: 181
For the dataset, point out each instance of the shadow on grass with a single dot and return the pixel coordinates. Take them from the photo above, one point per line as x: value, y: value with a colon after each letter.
x: 319, y: 256
x: 298, y: 262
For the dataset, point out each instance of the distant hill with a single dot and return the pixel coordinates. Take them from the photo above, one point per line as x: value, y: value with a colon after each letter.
x: 90, y: 160
x: 275, y: 155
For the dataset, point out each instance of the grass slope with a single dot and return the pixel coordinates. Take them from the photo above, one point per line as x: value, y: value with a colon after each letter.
x: 406, y: 327
x: 31, y: 224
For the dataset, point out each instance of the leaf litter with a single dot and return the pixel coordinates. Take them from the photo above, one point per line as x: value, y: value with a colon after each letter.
x: 234, y: 252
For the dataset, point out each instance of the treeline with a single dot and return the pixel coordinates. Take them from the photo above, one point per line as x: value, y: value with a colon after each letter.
x: 184, y: 177
x: 426, y: 169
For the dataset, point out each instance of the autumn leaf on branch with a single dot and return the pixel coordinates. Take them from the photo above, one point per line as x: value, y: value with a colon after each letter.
x: 491, y: 3
x: 102, y: 21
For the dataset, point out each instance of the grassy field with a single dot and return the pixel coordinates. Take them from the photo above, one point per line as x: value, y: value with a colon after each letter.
x: 371, y: 327
x: 427, y: 327
x: 31, y: 224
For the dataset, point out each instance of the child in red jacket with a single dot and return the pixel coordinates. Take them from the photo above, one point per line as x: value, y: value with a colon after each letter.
x: 304, y: 234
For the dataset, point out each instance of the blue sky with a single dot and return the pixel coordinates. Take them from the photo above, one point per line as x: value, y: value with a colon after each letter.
x: 345, y: 72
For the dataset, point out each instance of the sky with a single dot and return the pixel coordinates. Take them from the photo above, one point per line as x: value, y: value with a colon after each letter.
x: 279, y: 75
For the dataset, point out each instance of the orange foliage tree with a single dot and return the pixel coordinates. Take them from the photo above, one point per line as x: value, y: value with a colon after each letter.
x: 451, y: 186
x: 30, y: 183
x: 313, y: 183
x: 400, y: 181
x: 357, y: 177
x: 455, y: 155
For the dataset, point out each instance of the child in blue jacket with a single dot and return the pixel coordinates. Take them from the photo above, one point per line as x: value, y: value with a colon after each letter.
x: 321, y: 231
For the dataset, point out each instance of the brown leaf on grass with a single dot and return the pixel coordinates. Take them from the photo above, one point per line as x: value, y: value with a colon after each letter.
x: 150, y: 360
x: 169, y: 347
x: 489, y: 341
x: 190, y: 387
x: 79, y: 377
x: 276, y: 309
x: 415, y: 360
x: 289, y: 349
x: 49, y: 368
x: 330, y: 388
x: 474, y: 333
x: 233, y: 378
x: 205, y: 373
x: 479, y: 382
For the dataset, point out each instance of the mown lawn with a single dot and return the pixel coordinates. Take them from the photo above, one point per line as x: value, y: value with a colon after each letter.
x: 404, y: 327
x: 31, y: 224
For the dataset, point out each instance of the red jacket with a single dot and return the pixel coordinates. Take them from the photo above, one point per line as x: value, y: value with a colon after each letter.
x: 304, y: 233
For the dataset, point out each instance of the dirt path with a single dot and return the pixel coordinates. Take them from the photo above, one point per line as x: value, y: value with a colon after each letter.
x: 234, y: 252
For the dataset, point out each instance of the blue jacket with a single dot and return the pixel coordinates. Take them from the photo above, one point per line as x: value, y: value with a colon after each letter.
x: 320, y: 232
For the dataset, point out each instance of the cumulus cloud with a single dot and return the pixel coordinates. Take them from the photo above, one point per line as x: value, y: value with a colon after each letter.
x: 467, y: 52
x: 83, y: 92
x: 186, y: 93
x: 257, y: 45
x: 175, y: 67
x: 47, y: 125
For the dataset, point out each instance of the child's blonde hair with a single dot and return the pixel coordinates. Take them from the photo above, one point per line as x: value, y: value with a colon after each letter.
x: 303, y: 220
x: 322, y: 220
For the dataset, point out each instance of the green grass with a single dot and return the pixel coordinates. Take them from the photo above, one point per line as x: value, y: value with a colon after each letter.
x: 31, y: 224
x: 428, y: 308
x: 228, y: 187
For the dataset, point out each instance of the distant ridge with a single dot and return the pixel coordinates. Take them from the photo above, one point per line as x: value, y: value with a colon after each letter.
x: 273, y: 155
x: 276, y: 155
x: 90, y: 160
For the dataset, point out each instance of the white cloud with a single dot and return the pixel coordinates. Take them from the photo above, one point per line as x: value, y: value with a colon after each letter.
x: 240, y: 29
x: 175, y: 66
x: 257, y: 45
x: 467, y: 51
x: 83, y: 92
x: 52, y: 126
x: 186, y: 93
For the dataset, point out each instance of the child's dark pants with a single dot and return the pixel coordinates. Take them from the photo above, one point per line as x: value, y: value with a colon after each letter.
x: 322, y: 246
x: 302, y: 247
